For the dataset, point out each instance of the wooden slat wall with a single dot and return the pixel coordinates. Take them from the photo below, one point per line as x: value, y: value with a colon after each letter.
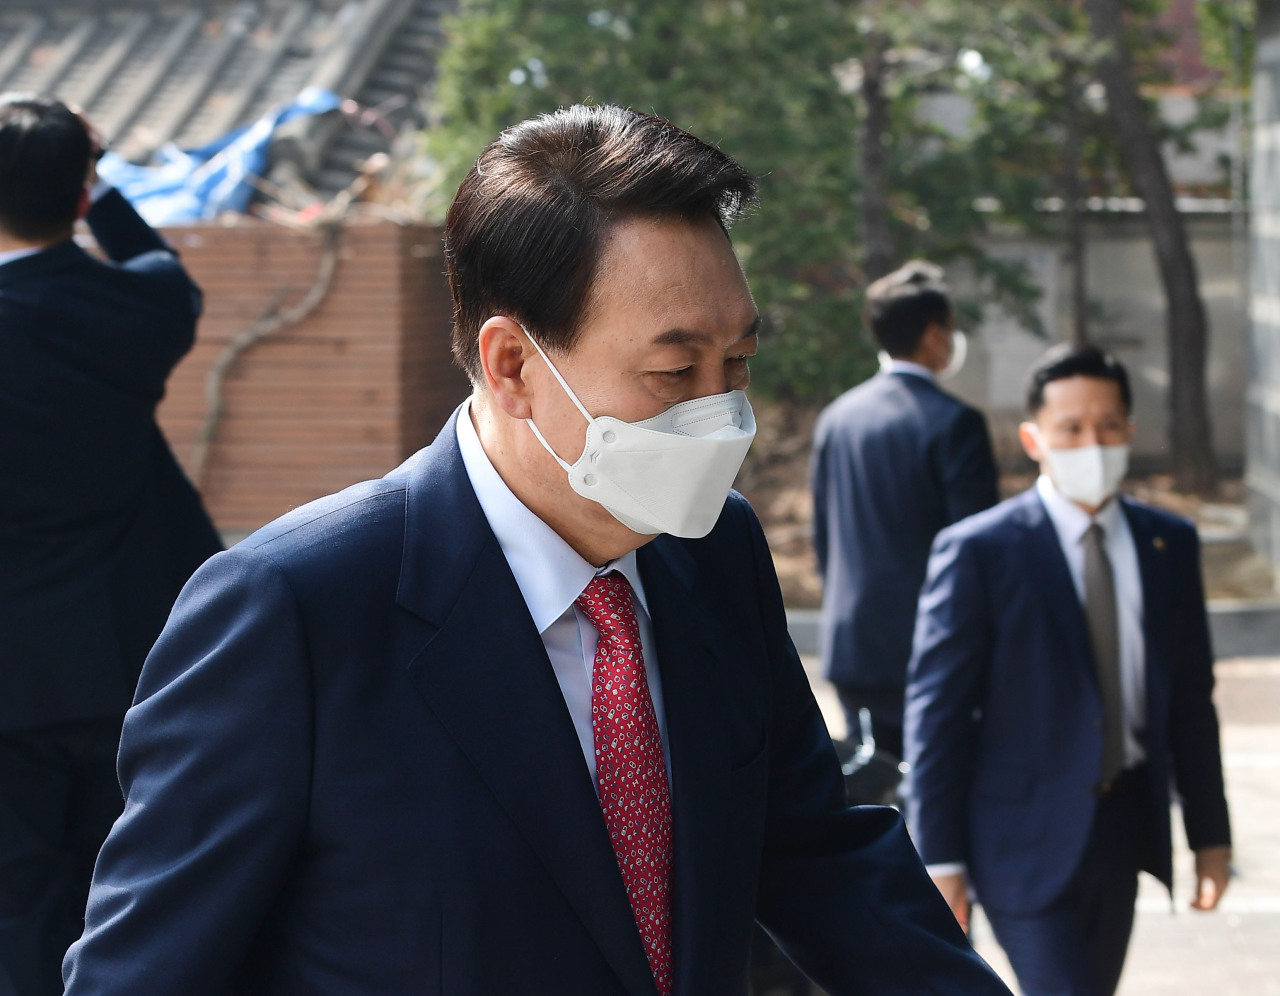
x: 342, y: 397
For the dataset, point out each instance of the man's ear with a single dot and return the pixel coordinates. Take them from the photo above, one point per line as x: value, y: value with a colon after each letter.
x: 504, y: 352
x: 83, y: 207
x: 936, y: 345
x: 1030, y: 439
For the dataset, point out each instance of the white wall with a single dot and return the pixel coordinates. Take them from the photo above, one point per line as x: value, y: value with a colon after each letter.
x: 1127, y: 299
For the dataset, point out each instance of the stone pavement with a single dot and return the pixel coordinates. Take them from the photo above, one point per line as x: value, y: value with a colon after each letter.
x: 1176, y: 951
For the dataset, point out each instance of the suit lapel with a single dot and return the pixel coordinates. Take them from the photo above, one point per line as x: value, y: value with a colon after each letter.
x: 1153, y: 569
x: 1048, y: 564
x: 486, y: 677
x: 691, y: 648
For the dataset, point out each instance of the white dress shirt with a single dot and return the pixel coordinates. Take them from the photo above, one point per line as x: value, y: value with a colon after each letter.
x: 15, y: 254
x: 100, y: 188
x: 907, y: 367
x: 551, y: 576
x: 1070, y: 521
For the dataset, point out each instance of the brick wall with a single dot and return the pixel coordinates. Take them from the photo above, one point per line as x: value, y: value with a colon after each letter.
x: 343, y: 396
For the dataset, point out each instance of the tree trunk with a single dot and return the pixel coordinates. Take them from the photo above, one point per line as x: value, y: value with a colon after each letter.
x: 1187, y: 326
x: 1074, y: 205
x: 877, y: 242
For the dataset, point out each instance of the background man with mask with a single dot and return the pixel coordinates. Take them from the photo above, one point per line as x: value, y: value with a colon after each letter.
x: 99, y: 529
x: 895, y: 460
x: 1061, y: 679
x: 476, y: 727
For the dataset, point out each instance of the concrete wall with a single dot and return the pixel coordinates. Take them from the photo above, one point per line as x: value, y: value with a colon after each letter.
x: 1263, y: 405
x: 1128, y: 317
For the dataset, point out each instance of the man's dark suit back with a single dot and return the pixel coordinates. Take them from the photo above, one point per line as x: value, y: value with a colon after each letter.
x: 98, y: 527
x: 896, y: 459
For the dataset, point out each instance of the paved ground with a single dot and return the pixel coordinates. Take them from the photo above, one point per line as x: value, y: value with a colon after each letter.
x: 1236, y: 950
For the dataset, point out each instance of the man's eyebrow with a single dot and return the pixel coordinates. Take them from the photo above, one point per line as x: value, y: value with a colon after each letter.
x: 685, y: 337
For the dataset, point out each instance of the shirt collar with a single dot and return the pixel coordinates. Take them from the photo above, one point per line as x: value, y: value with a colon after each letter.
x: 913, y: 369
x: 16, y: 254
x: 549, y: 572
x: 1070, y: 519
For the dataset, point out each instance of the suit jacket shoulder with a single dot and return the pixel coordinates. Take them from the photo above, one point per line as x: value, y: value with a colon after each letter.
x: 996, y: 526
x: 325, y: 535
x: 870, y: 396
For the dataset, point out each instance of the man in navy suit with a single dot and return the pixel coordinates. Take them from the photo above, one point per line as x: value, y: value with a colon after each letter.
x: 894, y: 460
x: 1061, y: 681
x: 522, y: 716
x: 99, y: 529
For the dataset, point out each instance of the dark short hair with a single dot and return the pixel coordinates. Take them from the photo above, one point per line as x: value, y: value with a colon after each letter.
x: 901, y: 305
x: 525, y: 233
x: 44, y: 156
x: 1068, y: 359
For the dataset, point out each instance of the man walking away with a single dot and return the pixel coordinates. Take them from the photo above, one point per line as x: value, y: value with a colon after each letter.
x: 894, y: 461
x: 98, y: 527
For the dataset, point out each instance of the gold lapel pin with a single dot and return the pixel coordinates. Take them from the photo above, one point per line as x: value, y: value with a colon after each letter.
x: 1158, y: 542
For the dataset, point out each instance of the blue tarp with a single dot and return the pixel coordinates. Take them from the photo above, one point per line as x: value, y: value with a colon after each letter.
x: 181, y: 186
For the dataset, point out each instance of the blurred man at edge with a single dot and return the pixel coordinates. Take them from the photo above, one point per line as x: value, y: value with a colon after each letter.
x: 99, y: 529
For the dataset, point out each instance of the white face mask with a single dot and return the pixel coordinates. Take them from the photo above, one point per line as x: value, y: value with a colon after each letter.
x: 1088, y: 475
x: 959, y: 353
x: 667, y: 474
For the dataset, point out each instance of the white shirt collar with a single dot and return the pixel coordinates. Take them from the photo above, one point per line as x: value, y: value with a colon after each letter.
x: 907, y: 367
x: 1070, y: 519
x: 16, y: 254
x: 549, y: 572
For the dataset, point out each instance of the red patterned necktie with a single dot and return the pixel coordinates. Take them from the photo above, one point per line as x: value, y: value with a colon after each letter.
x: 630, y: 771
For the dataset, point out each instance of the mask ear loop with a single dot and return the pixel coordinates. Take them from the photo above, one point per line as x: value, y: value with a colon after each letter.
x: 568, y: 468
x: 959, y: 354
x: 567, y: 389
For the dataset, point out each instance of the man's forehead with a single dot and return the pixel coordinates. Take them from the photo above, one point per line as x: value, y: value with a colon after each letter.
x: 680, y: 274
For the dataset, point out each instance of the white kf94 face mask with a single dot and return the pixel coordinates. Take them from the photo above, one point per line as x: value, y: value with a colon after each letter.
x: 1088, y: 475
x: 667, y: 474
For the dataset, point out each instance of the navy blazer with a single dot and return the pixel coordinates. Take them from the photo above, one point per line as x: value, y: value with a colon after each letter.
x: 1004, y: 718
x: 895, y: 460
x: 350, y: 768
x: 99, y: 529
